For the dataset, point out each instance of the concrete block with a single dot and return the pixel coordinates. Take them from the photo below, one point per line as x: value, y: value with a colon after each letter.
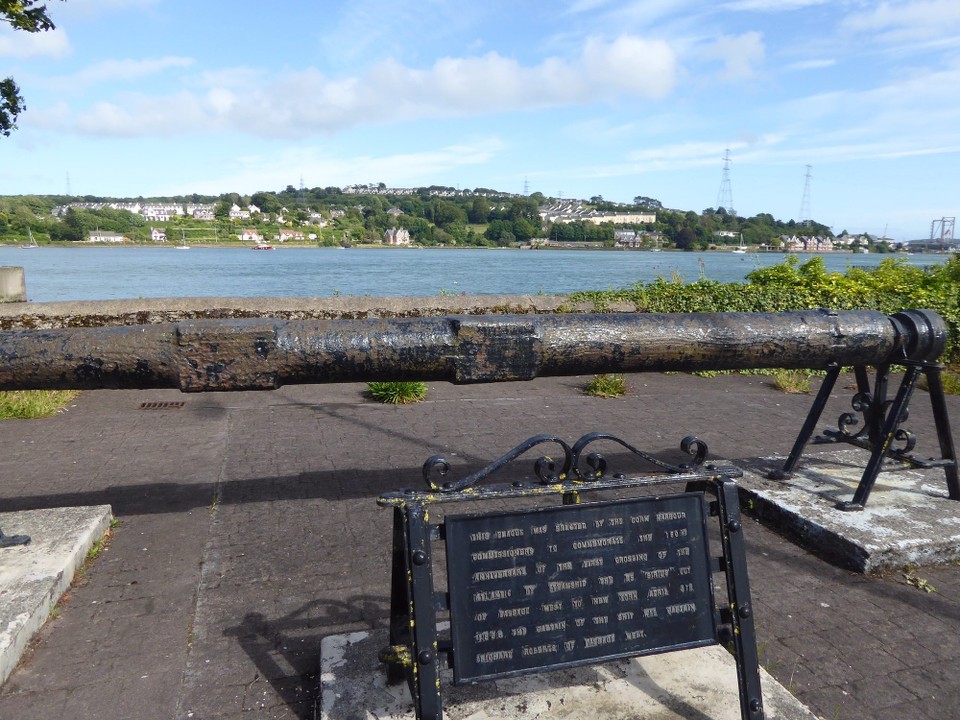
x: 908, y: 519
x: 699, y: 684
x: 13, y: 287
x: 34, y: 576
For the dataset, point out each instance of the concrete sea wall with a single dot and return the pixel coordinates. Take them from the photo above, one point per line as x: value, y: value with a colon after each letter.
x: 168, y: 310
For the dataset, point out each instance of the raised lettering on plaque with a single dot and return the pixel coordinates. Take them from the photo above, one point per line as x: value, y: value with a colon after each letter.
x: 556, y: 587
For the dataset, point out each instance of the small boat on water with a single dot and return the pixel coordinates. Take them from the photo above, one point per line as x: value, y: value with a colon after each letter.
x: 741, y: 249
x: 32, y: 244
x: 183, y: 242
x: 262, y: 246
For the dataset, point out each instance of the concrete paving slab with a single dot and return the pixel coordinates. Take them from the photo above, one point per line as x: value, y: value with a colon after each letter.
x: 908, y: 520
x: 699, y: 684
x: 33, y: 577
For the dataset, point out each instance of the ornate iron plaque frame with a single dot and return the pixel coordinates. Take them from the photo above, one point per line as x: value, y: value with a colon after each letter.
x: 555, y: 555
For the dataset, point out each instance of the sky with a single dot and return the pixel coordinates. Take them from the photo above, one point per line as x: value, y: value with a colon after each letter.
x: 846, y: 112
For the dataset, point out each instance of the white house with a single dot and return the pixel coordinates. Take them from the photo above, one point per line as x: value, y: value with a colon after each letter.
x: 250, y: 235
x: 158, y: 234
x: 237, y: 214
x: 103, y: 236
x: 289, y: 234
x: 396, y: 236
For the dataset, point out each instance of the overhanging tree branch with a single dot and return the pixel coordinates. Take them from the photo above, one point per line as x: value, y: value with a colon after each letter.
x: 30, y: 16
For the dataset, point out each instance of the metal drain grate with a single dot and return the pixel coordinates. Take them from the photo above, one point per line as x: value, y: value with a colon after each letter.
x: 163, y: 405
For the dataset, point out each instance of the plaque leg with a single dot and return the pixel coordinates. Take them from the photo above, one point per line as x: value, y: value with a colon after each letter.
x: 397, y: 670
x: 738, y: 596
x: 425, y: 660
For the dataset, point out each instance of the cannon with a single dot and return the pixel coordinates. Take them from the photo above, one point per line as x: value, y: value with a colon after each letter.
x: 266, y: 353
x: 258, y: 354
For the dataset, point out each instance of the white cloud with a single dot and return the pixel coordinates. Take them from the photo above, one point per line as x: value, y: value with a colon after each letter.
x: 582, y: 6
x: 125, y: 70
x: 93, y: 7
x: 741, y: 55
x: 390, y: 92
x: 138, y: 116
x: 630, y: 64
x: 811, y: 64
x: 695, y: 154
x: 898, y: 21
x: 256, y: 172
x: 770, y: 5
x: 19, y: 44
x: 909, y: 113
x: 680, y: 154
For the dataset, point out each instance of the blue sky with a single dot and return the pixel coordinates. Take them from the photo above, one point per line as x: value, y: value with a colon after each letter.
x: 577, y: 98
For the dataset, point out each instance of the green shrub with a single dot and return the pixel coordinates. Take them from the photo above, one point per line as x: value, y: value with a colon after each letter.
x: 890, y: 287
x: 397, y: 393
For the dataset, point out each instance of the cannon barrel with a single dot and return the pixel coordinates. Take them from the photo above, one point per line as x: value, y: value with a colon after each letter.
x: 266, y: 353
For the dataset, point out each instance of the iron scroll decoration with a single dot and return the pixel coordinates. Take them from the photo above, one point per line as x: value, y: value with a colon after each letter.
x: 857, y: 425
x: 550, y: 471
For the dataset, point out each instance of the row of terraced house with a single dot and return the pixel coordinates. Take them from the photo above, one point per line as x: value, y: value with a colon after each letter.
x: 151, y: 212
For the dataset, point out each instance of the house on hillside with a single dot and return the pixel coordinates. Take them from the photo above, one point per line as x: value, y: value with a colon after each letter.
x: 236, y: 213
x: 250, y: 235
x: 201, y: 212
x: 161, y: 213
x: 102, y: 236
x: 289, y: 234
x: 315, y: 219
x: 396, y: 236
x: 158, y: 234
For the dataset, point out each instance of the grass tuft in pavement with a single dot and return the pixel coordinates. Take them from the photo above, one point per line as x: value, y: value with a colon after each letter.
x: 397, y: 393
x: 31, y: 404
x: 608, y: 385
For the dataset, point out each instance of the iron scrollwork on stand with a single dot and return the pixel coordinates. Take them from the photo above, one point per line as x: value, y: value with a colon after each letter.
x: 875, y: 425
x: 577, y: 466
x: 545, y: 467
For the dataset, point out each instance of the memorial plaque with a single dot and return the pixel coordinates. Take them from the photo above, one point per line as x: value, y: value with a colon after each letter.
x: 555, y: 587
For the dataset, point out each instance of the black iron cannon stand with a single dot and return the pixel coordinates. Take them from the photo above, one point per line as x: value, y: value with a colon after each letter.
x: 879, y: 429
x: 568, y: 584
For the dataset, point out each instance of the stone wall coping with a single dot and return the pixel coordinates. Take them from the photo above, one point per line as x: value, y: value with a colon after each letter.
x: 149, y: 311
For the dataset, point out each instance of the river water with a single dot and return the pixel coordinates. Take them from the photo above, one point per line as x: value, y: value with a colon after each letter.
x: 109, y: 273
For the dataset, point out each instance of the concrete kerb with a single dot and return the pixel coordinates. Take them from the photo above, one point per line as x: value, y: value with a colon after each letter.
x: 33, y: 577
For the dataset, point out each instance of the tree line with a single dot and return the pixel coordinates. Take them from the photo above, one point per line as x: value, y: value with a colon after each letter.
x: 433, y: 216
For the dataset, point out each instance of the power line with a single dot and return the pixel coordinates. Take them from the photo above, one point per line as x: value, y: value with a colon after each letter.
x: 805, y: 212
x: 725, y: 195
